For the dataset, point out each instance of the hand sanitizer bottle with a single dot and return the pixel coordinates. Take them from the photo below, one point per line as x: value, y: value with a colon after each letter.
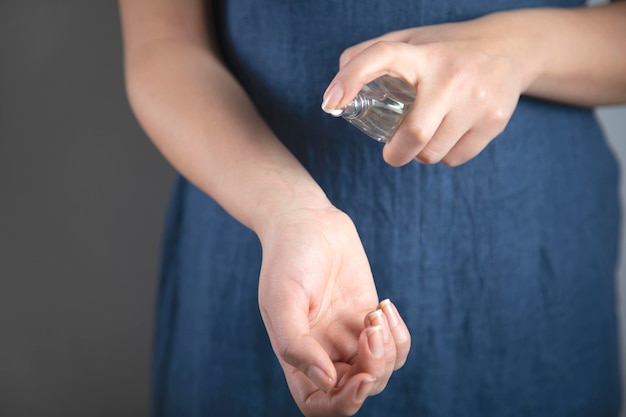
x: 379, y: 108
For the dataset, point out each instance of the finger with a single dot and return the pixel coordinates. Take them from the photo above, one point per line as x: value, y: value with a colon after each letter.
x: 295, y: 346
x: 375, y: 357
x: 475, y: 140
x: 469, y: 146
x: 359, y: 380
x: 371, y: 355
x: 345, y: 401
x: 377, y: 318
x: 351, y: 52
x: 398, y: 59
x: 399, y: 332
x: 418, y: 128
x: 445, y: 138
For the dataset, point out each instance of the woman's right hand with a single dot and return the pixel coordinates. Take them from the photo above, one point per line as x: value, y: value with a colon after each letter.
x: 336, y: 343
x: 468, y: 76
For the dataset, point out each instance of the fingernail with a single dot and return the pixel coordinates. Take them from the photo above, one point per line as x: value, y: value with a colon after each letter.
x: 376, y: 317
x: 319, y: 377
x: 390, y: 312
x: 375, y: 341
x: 364, y: 389
x: 332, y: 98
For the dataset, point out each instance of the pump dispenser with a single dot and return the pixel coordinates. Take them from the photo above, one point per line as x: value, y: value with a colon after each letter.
x: 379, y: 108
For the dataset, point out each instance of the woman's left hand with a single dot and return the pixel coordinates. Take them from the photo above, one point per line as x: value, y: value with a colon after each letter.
x: 336, y: 343
x: 468, y: 78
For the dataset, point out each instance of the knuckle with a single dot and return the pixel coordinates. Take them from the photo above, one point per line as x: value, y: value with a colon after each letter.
x: 285, y: 351
x: 380, y: 387
x: 481, y: 94
x: 430, y: 156
x: 399, y: 363
x: 417, y: 133
x: 347, y: 55
x: 497, y: 117
x: 452, y: 162
x: 420, y: 36
x: 386, y: 48
x: 461, y: 156
x: 436, y: 51
x: 403, y: 345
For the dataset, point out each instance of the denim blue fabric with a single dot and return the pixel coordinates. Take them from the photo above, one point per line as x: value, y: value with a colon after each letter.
x: 504, y: 268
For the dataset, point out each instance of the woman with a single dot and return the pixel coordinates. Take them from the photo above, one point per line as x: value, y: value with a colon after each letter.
x: 501, y: 259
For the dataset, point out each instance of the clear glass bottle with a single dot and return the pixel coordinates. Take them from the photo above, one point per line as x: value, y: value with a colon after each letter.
x: 379, y: 108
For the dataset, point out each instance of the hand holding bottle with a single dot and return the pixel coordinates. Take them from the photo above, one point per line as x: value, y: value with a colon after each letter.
x: 468, y: 78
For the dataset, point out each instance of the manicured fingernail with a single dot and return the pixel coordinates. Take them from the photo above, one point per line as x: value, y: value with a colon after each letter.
x: 375, y: 341
x: 332, y: 98
x: 376, y: 318
x: 319, y: 377
x: 364, y: 389
x: 390, y: 312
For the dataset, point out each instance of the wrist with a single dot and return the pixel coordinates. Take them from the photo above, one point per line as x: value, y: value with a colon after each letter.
x: 278, y: 203
x: 519, y: 36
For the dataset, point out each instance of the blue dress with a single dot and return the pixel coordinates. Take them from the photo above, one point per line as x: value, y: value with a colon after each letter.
x: 503, y: 268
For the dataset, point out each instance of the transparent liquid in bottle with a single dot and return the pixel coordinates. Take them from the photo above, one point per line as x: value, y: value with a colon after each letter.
x: 379, y: 108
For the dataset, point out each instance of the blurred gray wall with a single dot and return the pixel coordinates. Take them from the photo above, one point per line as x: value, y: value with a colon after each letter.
x: 614, y: 122
x: 83, y: 195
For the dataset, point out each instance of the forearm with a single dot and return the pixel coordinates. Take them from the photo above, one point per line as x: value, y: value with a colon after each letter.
x: 577, y: 56
x: 204, y: 124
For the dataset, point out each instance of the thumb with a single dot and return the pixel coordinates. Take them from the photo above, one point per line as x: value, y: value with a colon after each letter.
x: 398, y: 59
x: 309, y: 357
x: 289, y: 332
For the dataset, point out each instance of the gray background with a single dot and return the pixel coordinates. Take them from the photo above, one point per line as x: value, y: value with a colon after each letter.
x: 83, y: 198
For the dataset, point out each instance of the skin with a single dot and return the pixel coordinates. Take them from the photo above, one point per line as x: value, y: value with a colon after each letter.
x: 470, y: 75
x: 336, y: 342
x: 315, y: 289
